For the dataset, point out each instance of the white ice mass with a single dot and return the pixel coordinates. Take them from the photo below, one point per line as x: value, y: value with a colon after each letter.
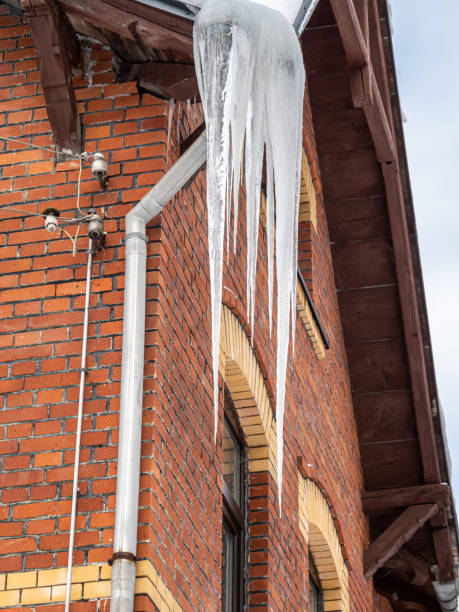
x: 251, y: 79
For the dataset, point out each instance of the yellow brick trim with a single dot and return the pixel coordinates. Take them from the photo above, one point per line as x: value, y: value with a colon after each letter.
x: 316, y: 524
x: 312, y: 329
x: 88, y: 582
x: 244, y: 380
x: 307, y: 212
x: 308, y: 201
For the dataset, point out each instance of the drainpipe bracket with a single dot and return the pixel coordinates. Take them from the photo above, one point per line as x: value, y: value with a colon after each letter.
x: 122, y: 555
x: 134, y: 235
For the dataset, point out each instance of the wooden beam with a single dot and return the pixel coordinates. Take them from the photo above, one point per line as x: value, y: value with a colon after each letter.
x: 114, y: 19
x: 412, y: 324
x: 379, y: 125
x: 163, y: 18
x: 442, y: 546
x: 420, y: 567
x: 378, y: 502
x: 387, y: 584
x: 167, y: 80
x: 365, y: 90
x: 351, y: 33
x: 388, y: 543
x: 58, y: 48
x: 362, y: 94
x: 403, y: 606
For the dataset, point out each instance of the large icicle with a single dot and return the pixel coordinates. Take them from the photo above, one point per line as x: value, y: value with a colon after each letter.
x: 251, y: 78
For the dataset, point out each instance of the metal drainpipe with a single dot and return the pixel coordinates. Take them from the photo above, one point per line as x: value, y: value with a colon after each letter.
x: 447, y: 594
x: 130, y: 427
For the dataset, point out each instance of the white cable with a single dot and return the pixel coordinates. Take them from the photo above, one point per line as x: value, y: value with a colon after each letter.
x: 32, y: 214
x: 30, y: 144
x: 78, y: 431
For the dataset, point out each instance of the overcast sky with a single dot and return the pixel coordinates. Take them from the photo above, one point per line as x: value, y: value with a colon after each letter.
x: 427, y: 61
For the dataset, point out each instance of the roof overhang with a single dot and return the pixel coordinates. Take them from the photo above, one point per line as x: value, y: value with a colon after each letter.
x: 358, y: 127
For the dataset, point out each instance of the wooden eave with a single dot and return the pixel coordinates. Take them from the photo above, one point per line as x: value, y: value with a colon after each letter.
x: 357, y: 121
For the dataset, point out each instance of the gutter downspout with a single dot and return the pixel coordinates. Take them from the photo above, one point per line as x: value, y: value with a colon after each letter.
x: 132, y: 366
x: 447, y: 593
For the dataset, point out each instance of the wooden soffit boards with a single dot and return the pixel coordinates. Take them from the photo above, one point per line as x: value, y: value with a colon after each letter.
x: 129, y: 19
x: 366, y: 259
x: 376, y: 273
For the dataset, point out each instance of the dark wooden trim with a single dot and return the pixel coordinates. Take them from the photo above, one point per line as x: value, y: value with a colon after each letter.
x: 352, y: 36
x: 411, y: 323
x: 420, y: 567
x: 168, y: 20
x: 442, y: 545
x: 186, y: 144
x: 366, y: 92
x: 152, y: 34
x: 233, y: 514
x: 231, y: 510
x: 388, y: 543
x: 378, y: 502
x: 379, y: 125
x: 58, y: 47
x: 387, y: 584
x: 164, y: 79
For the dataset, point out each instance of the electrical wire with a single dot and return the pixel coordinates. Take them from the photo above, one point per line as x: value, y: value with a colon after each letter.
x: 78, y: 429
x: 73, y: 239
x: 33, y: 214
x: 30, y: 144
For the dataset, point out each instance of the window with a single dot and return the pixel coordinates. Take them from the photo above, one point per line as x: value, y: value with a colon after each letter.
x: 315, y: 592
x: 234, y: 466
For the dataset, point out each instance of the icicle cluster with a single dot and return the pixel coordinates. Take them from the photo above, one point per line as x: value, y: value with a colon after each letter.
x: 251, y: 79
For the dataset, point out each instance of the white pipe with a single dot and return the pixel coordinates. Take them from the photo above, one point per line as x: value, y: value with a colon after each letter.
x: 130, y: 427
x: 78, y: 431
x: 447, y: 594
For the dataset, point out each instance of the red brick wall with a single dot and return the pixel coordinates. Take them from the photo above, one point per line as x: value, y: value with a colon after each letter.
x: 41, y: 305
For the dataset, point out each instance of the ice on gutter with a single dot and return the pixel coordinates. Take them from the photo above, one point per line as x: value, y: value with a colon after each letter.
x: 297, y: 12
x: 251, y: 79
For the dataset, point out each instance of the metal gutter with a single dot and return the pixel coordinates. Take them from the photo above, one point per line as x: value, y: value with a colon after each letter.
x: 132, y: 367
x: 188, y: 9
x: 176, y: 7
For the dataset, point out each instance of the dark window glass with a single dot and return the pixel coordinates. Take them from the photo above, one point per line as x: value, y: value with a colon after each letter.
x: 233, y: 513
x: 227, y: 570
x: 315, y: 592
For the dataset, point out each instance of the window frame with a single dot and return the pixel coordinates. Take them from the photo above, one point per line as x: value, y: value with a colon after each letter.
x: 234, y: 514
x: 314, y: 583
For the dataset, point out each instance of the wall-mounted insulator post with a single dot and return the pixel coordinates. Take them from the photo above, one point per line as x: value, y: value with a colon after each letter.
x: 95, y: 229
x: 99, y: 169
x: 51, y: 217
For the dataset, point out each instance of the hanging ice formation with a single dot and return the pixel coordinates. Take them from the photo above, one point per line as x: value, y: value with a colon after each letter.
x: 251, y: 79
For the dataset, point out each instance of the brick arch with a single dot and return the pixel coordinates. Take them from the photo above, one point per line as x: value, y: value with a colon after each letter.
x: 318, y: 528
x: 243, y: 377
